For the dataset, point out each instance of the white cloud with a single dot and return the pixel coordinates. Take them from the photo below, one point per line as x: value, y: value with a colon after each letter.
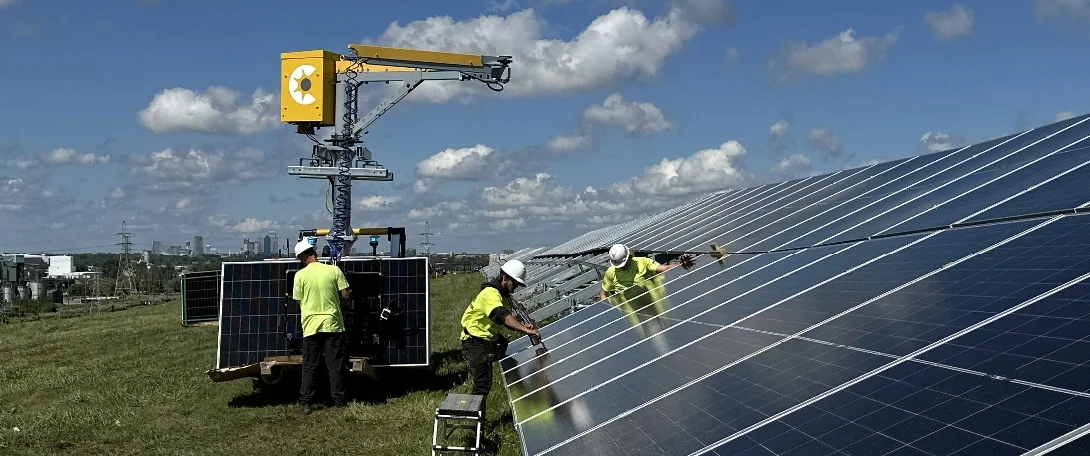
x: 778, y: 139
x: 826, y: 141
x: 31, y: 194
x: 377, y: 202
x: 1064, y: 115
x: 1063, y: 9
x: 706, y: 170
x: 63, y: 155
x: 792, y: 165
x: 615, y: 48
x: 635, y: 118
x: 731, y: 57
x: 934, y: 141
x: 252, y: 225
x: 950, y: 24
x: 841, y: 54
x: 198, y: 171
x: 562, y: 144
x: 464, y: 163
x: 216, y: 110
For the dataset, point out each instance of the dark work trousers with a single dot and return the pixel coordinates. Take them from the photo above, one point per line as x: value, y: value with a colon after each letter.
x: 479, y: 354
x: 328, y: 347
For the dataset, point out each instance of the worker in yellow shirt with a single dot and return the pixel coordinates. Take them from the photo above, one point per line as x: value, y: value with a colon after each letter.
x: 319, y: 289
x: 625, y: 270
x: 482, y: 343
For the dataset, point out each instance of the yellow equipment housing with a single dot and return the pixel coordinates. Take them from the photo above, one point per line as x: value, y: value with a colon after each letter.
x: 309, y: 78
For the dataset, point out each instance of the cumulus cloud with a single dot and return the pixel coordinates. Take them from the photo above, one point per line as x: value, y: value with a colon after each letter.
x: 621, y: 46
x: 706, y: 170
x: 1064, y: 115
x: 253, y: 225
x: 377, y: 202
x: 826, y: 141
x: 839, y: 55
x: 792, y: 166
x: 63, y: 155
x: 779, y: 139
x: 731, y: 57
x: 31, y: 195
x: 934, y: 141
x: 475, y: 163
x: 198, y: 171
x: 216, y: 110
x: 566, y: 144
x: 1062, y: 9
x: 950, y: 24
x: 634, y: 118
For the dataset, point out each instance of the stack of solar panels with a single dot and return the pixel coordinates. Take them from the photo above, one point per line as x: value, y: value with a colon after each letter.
x: 200, y: 297
x: 258, y: 319
x: 931, y: 305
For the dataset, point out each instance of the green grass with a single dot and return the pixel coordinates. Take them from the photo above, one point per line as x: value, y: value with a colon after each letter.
x: 134, y: 382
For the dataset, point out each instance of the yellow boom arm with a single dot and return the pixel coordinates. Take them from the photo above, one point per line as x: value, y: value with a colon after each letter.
x: 309, y: 78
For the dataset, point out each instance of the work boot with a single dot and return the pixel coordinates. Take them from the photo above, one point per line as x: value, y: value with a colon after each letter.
x: 305, y: 408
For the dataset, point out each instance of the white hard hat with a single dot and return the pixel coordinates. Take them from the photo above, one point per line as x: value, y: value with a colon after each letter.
x: 618, y: 255
x: 516, y: 270
x: 302, y: 246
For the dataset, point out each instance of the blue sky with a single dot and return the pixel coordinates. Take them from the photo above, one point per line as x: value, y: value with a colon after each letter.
x: 846, y: 86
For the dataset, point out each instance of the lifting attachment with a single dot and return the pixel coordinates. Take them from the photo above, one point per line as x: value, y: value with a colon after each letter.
x: 321, y: 88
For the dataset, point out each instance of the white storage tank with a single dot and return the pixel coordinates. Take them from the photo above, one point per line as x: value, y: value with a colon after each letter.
x: 9, y: 293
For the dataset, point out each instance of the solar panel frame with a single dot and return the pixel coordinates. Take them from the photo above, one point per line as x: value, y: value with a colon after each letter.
x: 256, y: 330
x: 200, y: 297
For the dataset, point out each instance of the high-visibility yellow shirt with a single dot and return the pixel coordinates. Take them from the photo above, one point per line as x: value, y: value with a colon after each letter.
x: 616, y: 279
x: 475, y: 319
x: 317, y: 287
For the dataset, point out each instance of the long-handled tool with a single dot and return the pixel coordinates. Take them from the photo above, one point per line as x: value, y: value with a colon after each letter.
x: 523, y: 316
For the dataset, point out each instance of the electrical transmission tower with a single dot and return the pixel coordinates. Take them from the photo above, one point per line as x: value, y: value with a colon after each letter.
x: 427, y: 239
x: 125, y: 283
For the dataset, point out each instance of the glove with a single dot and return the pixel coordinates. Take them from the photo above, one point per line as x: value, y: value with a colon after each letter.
x: 686, y: 261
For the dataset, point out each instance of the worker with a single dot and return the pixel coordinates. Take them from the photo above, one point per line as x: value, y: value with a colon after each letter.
x: 625, y: 270
x: 482, y: 343
x: 319, y: 289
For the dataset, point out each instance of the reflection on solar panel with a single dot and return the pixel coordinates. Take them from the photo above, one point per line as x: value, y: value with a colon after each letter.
x: 200, y: 297
x: 259, y: 320
x: 930, y: 305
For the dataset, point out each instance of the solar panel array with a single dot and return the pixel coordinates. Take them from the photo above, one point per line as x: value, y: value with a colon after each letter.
x: 200, y: 297
x: 258, y: 320
x: 930, y: 305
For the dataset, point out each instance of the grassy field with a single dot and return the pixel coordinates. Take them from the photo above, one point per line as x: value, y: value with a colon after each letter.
x: 134, y: 382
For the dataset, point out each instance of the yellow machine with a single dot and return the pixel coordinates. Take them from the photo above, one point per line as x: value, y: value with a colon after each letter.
x: 320, y: 89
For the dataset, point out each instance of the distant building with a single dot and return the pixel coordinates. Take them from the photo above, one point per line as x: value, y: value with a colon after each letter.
x: 156, y: 247
x: 60, y: 266
x: 176, y: 250
x: 270, y: 244
x: 197, y: 248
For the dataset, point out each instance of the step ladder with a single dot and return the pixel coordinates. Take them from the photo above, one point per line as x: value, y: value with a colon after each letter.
x: 458, y: 411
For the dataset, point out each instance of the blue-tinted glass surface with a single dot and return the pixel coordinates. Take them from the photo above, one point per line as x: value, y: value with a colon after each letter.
x: 845, y: 189
x: 833, y: 215
x: 584, y: 327
x: 873, y: 280
x: 914, y: 408
x: 722, y: 209
x: 1047, y: 342
x: 1065, y: 192
x: 721, y: 404
x: 677, y: 241
x: 967, y: 293
x: 952, y: 200
x: 640, y: 238
x: 892, y: 206
x: 750, y: 207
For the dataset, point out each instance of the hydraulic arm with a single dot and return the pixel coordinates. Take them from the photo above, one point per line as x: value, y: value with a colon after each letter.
x: 321, y: 88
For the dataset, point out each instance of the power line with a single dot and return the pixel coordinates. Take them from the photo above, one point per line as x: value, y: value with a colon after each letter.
x: 427, y: 239
x: 125, y: 275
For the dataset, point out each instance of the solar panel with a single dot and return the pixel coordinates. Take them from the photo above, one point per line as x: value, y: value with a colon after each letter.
x: 932, y: 340
x: 200, y: 297
x: 259, y: 320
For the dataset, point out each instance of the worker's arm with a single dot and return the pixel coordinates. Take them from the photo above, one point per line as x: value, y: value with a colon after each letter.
x: 666, y: 267
x: 608, y: 282
x: 342, y: 284
x: 502, y: 316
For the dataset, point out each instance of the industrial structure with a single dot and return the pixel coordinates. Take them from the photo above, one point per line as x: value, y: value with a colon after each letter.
x: 387, y: 319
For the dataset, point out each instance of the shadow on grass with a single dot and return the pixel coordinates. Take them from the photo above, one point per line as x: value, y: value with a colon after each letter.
x: 395, y: 382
